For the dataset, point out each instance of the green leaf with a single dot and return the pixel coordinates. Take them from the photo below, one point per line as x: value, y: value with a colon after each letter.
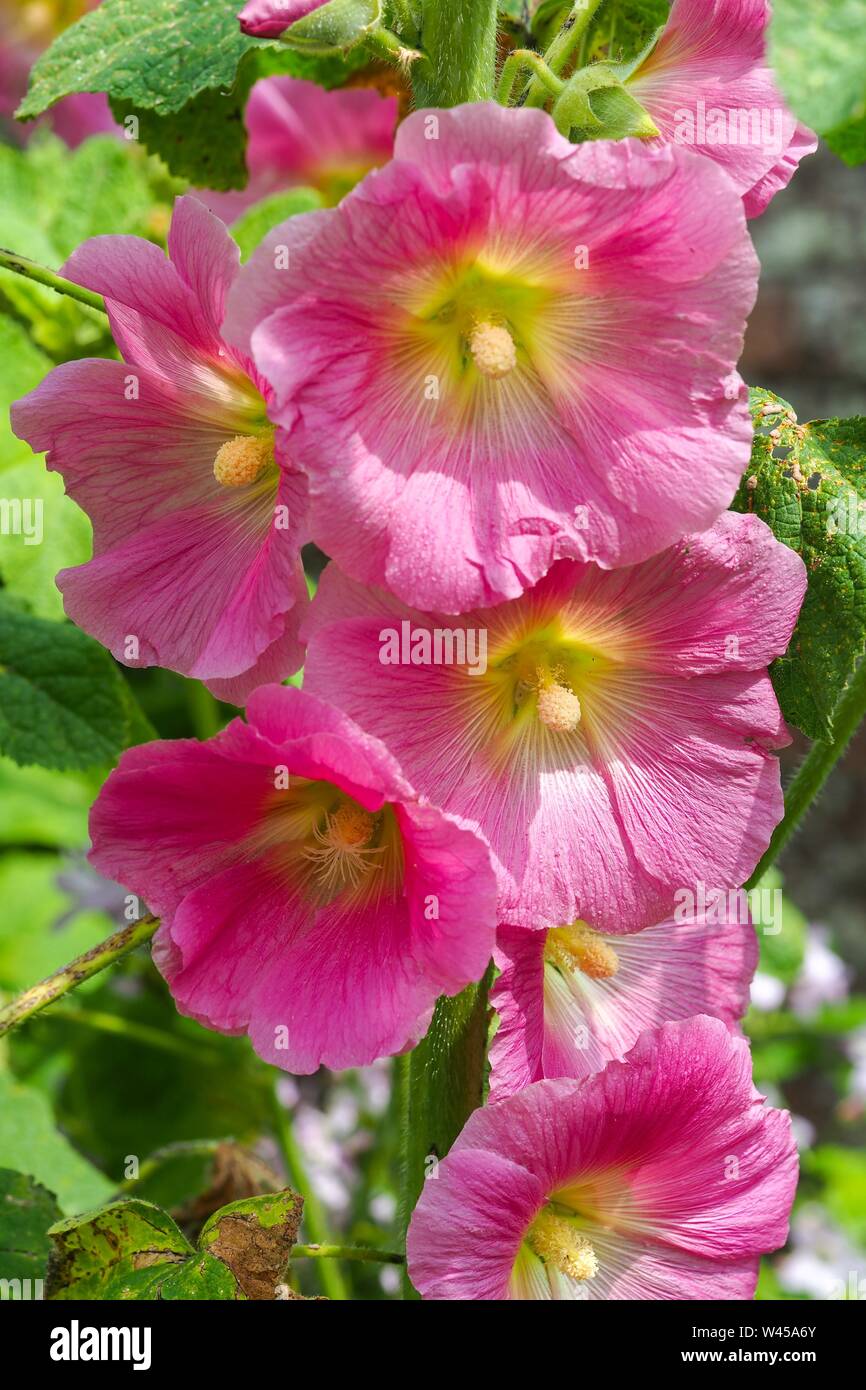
x: 26, y: 1211
x: 205, y: 141
x: 251, y: 228
x: 808, y: 482
x: 29, y: 1143
x: 155, y: 54
x: 818, y: 53
x: 61, y: 697
x: 132, y: 1249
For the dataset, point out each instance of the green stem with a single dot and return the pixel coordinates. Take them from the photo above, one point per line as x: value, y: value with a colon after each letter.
x: 31, y: 270
x: 347, y: 1252
x: 459, y: 39
x: 315, y: 1221
x: 515, y: 64
x: 564, y: 46
x: 384, y: 44
x: 38, y: 997
x: 443, y: 1082
x: 816, y: 768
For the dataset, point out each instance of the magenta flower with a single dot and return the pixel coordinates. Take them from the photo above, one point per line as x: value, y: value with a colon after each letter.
x: 572, y: 999
x: 662, y: 1177
x: 300, y: 134
x: 308, y: 897
x: 501, y: 349
x: 707, y: 85
x: 609, y: 733
x: 25, y: 30
x: 197, y: 514
x: 267, y: 19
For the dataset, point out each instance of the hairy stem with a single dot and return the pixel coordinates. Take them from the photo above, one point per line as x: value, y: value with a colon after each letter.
x: 516, y: 63
x: 564, y: 46
x: 816, y: 768
x: 315, y: 1221
x: 443, y: 1082
x: 31, y: 270
x: 38, y: 997
x: 459, y: 39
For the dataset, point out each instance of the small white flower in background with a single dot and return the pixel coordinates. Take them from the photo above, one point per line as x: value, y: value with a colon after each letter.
x: 823, y: 978
x: 766, y: 992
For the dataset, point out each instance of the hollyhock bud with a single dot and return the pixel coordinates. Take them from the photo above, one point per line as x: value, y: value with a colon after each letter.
x: 267, y: 19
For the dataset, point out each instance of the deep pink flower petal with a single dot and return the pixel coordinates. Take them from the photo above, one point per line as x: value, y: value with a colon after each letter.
x: 680, y: 1173
x: 339, y: 979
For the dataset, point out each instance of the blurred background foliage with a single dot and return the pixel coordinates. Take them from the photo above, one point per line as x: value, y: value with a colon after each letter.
x: 112, y: 1091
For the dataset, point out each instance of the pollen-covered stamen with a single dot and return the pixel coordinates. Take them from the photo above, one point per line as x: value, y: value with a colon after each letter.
x: 242, y: 460
x: 341, y: 854
x: 556, y: 1240
x: 493, y: 349
x: 578, y: 947
x: 558, y: 707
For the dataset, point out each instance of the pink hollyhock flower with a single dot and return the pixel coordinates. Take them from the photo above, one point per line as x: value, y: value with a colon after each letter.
x: 308, y: 897
x: 662, y: 1177
x: 267, y: 19
x: 299, y: 134
x: 707, y: 85
x: 503, y: 350
x: 197, y: 515
x: 609, y: 733
x: 572, y: 999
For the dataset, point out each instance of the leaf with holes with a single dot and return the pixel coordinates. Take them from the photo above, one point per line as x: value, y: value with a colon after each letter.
x: 808, y: 482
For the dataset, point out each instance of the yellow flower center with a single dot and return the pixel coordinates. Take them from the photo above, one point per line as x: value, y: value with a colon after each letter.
x: 556, y: 1240
x: 578, y: 947
x: 242, y: 460
x: 493, y: 349
x: 558, y: 707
